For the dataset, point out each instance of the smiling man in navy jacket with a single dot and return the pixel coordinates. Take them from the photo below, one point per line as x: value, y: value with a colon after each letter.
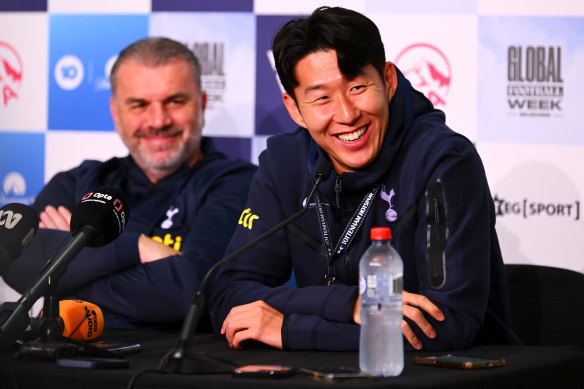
x: 385, y: 141
x: 184, y: 196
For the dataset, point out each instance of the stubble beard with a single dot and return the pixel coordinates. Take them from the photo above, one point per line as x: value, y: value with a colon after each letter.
x: 175, y: 156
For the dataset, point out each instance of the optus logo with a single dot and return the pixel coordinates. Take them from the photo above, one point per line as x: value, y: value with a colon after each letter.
x: 428, y: 70
x: 10, y: 73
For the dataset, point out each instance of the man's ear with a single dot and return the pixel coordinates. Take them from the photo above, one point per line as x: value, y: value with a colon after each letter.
x: 114, y: 112
x: 293, y: 110
x: 390, y: 79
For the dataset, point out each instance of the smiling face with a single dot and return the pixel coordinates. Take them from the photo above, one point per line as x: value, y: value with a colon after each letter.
x: 346, y: 118
x: 158, y: 112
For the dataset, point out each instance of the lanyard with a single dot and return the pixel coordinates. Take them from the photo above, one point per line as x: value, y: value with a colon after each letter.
x: 348, y: 234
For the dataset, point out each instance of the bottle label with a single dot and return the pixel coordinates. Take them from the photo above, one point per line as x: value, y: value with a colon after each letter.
x: 377, y: 289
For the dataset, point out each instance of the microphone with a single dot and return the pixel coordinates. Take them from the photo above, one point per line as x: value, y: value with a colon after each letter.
x: 101, y: 215
x: 81, y: 320
x: 18, y: 225
x: 180, y: 360
x: 98, y: 219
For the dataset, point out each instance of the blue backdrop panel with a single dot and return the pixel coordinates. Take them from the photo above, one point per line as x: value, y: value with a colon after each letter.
x: 82, y: 48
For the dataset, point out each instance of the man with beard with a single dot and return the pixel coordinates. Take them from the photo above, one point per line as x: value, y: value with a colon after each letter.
x: 184, y: 196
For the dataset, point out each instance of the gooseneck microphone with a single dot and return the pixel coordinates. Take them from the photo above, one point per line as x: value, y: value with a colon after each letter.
x: 180, y: 359
x: 98, y: 219
x: 18, y: 225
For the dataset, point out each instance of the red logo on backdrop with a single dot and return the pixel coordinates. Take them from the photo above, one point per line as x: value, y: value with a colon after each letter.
x: 427, y: 69
x: 10, y: 73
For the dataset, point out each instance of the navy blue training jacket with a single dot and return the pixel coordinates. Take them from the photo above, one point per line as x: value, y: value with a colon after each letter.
x: 194, y: 210
x: 424, y: 169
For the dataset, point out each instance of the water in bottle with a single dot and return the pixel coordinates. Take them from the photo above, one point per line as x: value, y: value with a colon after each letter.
x: 380, y: 288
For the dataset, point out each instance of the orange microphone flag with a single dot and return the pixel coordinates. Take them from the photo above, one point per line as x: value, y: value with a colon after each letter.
x: 82, y: 320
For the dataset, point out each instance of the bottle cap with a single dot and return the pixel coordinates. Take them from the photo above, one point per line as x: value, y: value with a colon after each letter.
x: 380, y: 233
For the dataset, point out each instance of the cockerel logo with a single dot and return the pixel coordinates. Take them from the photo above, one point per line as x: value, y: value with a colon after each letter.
x: 390, y: 214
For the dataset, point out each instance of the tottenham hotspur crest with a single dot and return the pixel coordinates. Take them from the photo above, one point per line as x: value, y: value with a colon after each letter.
x: 167, y: 223
x: 390, y: 214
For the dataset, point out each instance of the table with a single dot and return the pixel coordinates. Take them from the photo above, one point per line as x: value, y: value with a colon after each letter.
x: 526, y: 366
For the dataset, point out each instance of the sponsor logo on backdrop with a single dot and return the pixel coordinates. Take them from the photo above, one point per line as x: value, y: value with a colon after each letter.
x: 70, y: 73
x: 101, y: 81
x: 10, y: 73
x: 14, y: 189
x: 428, y: 70
x: 529, y: 208
x: 211, y: 57
x: 535, y: 84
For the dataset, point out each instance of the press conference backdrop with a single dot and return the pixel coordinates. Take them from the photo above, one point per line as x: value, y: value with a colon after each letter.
x: 508, y: 74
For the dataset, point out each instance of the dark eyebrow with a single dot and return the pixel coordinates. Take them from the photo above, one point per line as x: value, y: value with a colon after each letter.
x: 311, y: 88
x: 134, y: 100
x: 180, y: 95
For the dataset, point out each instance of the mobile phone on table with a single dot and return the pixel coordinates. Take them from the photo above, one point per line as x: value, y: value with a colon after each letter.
x: 458, y: 362
x: 264, y: 371
x: 336, y: 374
x: 93, y: 363
x: 122, y: 348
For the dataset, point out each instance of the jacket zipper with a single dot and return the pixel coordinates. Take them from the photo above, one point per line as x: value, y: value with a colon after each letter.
x: 338, y: 182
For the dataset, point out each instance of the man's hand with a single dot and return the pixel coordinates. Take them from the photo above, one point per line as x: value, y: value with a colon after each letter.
x: 413, y: 304
x: 151, y: 250
x: 257, y: 321
x: 55, y: 218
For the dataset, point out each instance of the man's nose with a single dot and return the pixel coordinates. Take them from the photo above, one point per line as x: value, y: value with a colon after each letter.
x: 346, y: 112
x: 158, y: 116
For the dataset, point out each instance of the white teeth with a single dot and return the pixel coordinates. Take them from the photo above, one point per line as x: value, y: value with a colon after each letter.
x: 352, y: 136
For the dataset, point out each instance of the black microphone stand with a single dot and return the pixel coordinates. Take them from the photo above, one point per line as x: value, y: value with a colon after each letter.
x: 48, y: 342
x: 182, y: 359
x: 48, y: 329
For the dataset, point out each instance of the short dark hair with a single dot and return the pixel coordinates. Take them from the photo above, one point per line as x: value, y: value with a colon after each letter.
x: 154, y: 51
x: 353, y: 36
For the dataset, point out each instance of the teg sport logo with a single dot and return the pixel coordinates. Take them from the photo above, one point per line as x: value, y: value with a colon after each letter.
x: 10, y: 73
x: 428, y: 70
x: 536, y: 87
x: 527, y: 208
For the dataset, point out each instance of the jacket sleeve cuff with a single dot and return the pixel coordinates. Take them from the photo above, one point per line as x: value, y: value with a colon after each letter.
x: 284, y: 334
x: 351, y: 306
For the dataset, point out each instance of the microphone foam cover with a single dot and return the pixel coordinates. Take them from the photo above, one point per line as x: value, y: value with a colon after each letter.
x: 324, y: 169
x: 18, y: 225
x: 74, y: 312
x: 106, y: 210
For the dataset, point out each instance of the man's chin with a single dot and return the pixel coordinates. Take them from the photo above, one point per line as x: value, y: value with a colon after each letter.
x: 163, y: 164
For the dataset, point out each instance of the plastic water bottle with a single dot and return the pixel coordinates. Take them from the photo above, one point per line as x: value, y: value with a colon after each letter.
x: 381, y: 351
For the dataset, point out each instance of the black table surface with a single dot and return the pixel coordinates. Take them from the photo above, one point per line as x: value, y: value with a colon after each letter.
x: 526, y: 366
